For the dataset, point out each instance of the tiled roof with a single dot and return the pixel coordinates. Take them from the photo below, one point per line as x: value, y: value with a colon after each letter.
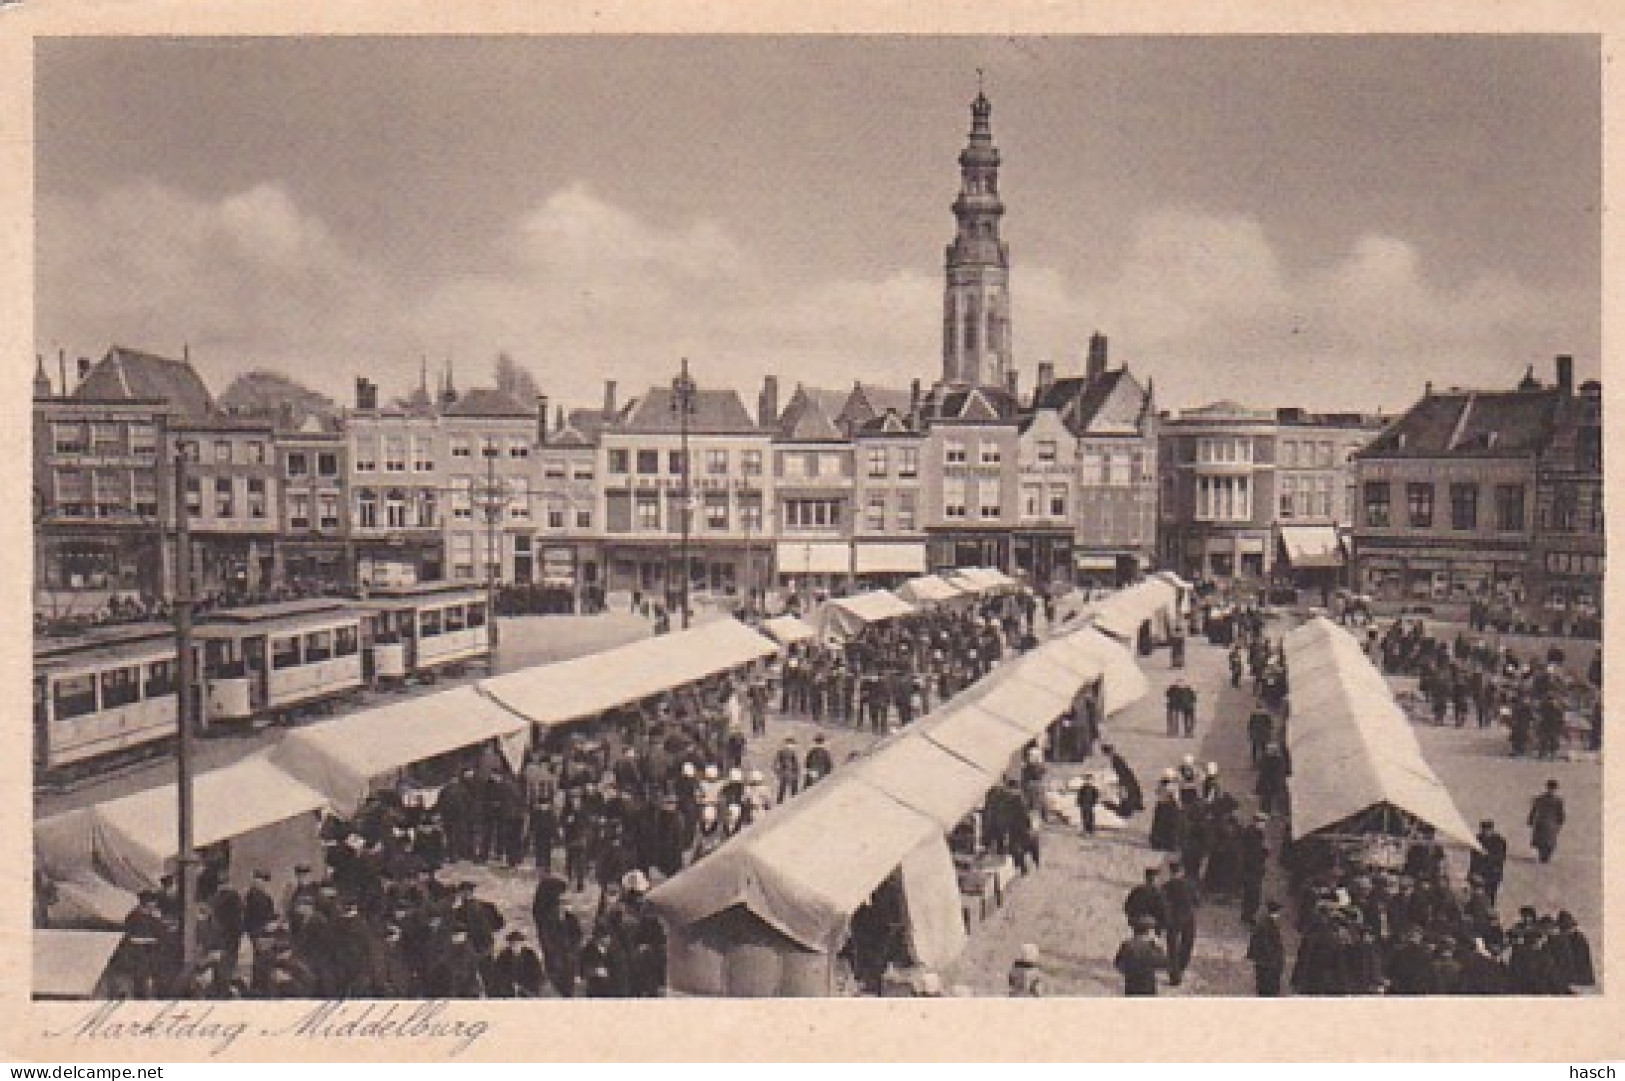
x: 969, y: 403
x: 715, y: 412
x: 1472, y: 423
x: 129, y: 374
x: 879, y: 399
x: 1115, y: 402
x: 811, y: 414
x: 486, y: 402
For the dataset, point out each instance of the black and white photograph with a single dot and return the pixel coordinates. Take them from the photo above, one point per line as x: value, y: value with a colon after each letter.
x: 837, y: 516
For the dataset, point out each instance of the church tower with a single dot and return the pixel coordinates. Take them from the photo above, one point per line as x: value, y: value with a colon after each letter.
x: 976, y: 300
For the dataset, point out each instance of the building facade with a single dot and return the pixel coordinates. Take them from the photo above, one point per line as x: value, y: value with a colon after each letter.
x: 396, y: 498
x: 313, y: 466
x: 1569, y: 554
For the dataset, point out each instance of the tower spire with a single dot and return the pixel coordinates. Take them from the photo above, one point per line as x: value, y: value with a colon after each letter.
x: 976, y: 302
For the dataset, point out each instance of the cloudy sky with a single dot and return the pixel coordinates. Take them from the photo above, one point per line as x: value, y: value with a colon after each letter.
x: 1325, y: 222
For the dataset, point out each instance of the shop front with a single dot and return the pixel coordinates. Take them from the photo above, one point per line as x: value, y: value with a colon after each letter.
x: 946, y: 550
x: 1044, y: 555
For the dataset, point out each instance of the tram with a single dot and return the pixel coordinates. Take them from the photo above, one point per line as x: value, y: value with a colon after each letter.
x: 105, y: 693
x: 262, y: 663
x: 417, y: 631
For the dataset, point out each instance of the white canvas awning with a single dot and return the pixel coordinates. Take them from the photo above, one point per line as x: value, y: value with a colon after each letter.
x: 555, y: 694
x: 1310, y: 547
x: 343, y: 758
x: 903, y: 557
x: 1122, y: 682
x: 71, y: 964
x: 929, y: 589
x: 1352, y: 747
x: 1172, y: 579
x: 1123, y: 613
x: 813, y: 557
x: 845, y: 616
x: 788, y: 630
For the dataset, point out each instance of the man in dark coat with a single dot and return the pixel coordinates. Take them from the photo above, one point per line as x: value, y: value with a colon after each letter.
x: 1267, y: 952
x: 1139, y: 958
x: 1133, y: 799
x: 1490, y: 863
x: 819, y: 762
x: 1146, y: 901
x: 1546, y: 818
x: 1582, y: 971
x: 558, y: 931
x: 1260, y: 729
x: 1272, y: 775
x: 480, y: 919
x: 259, y: 910
x: 1179, y: 903
x: 1253, y: 863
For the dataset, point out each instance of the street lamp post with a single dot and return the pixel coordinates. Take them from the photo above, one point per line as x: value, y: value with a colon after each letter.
x: 743, y: 491
x: 491, y: 500
x: 683, y: 392
x: 186, y: 858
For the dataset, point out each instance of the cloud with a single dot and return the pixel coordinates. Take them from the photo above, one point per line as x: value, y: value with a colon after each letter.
x: 582, y: 289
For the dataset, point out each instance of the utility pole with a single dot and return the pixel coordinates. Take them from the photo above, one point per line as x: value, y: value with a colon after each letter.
x: 186, y: 858
x: 683, y: 392
x: 744, y: 491
x: 493, y: 512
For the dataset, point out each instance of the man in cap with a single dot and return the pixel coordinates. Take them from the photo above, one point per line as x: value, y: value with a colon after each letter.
x: 1546, y: 818
x: 515, y: 971
x: 1489, y: 864
x: 1088, y: 798
x: 1267, y: 952
x: 1138, y: 959
x: 1179, y: 906
x: 1253, y: 864
x: 787, y: 768
x: 1026, y: 978
x: 819, y: 761
x: 1145, y: 900
x: 259, y: 910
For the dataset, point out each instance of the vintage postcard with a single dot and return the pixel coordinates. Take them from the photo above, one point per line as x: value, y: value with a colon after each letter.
x: 894, y: 534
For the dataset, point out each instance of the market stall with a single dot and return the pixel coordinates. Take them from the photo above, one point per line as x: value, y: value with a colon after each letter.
x: 1141, y: 615
x: 788, y: 630
x: 72, y: 965
x: 844, y: 617
x: 930, y: 589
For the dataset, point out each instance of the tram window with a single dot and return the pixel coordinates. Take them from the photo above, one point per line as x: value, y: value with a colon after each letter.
x: 75, y: 696
x: 160, y: 679
x: 454, y: 618
x: 429, y: 622
x: 345, y: 642
x: 121, y: 686
x: 476, y: 615
x: 285, y: 652
x: 318, y: 646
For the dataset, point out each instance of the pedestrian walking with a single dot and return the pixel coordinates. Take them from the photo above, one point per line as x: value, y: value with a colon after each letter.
x: 1546, y: 818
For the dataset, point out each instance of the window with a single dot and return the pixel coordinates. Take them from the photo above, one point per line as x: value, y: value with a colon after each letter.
x: 194, y: 497
x: 366, y: 507
x: 991, y: 510
x: 619, y: 461
x: 476, y: 614
x: 1091, y: 466
x: 462, y: 446
x: 112, y: 494
x: 583, y: 519
x: 905, y: 510
x: 1323, y: 454
x: 1587, y: 449
x: 456, y: 619
x: 395, y: 509
x: 675, y: 462
x: 222, y: 452
x: 1057, y: 502
x: 428, y: 506
x: 1419, y: 504
x: 146, y: 493
x: 716, y: 510
x: 1225, y: 451
x: 422, y: 454
x: 328, y: 507
x: 553, y: 468
x: 648, y: 510
x: 792, y: 464
x: 908, y: 461
x: 750, y: 511
x: 395, y: 454
x: 429, y: 623
x: 1323, y: 496
x: 518, y: 492
x: 518, y: 448
x: 192, y: 451
x: 224, y: 505
x: 462, y: 555
x: 1565, y: 510
x: 346, y: 641
x: 1289, y: 452
x: 490, y: 446
x: 327, y: 464
x: 161, y: 680
x: 1046, y: 452
x: 990, y: 454
x: 256, y: 452
x: 366, y: 453
x: 462, y: 498
x: 285, y: 652
x: 73, y: 696
x: 1224, y: 499
x: 1032, y: 500
x: 874, y: 513
x: 1378, y: 513
x: 953, y: 497
x: 1509, y: 508
x: 143, y: 440
x: 318, y: 646
x: 1289, y: 495
x: 953, y: 453
x: 812, y: 513
x: 583, y: 471
x: 68, y: 439
x: 555, y: 517
x: 106, y: 440
x: 1118, y: 469
x: 716, y: 462
x: 121, y: 686
x: 877, y: 461
x: 648, y: 462
x: 298, y: 463
x: 750, y: 463
x: 1464, y: 506
x: 256, y: 497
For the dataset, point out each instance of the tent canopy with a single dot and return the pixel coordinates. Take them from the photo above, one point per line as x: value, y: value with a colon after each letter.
x: 1122, y: 614
x: 1122, y: 682
x: 555, y: 694
x: 1352, y: 746
x: 342, y: 758
x: 128, y: 841
x: 845, y: 616
x: 788, y: 630
x: 929, y: 589
x: 1311, y: 547
x: 71, y: 964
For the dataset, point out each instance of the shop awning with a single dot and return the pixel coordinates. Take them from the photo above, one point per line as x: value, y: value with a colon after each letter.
x: 896, y: 558
x: 129, y: 841
x: 1086, y: 562
x: 555, y: 694
x: 813, y: 557
x: 71, y: 964
x: 928, y: 589
x: 342, y: 758
x: 1352, y: 747
x: 1311, y: 547
x: 788, y: 630
x: 1122, y: 614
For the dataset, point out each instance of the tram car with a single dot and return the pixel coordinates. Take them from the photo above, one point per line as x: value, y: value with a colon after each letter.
x: 263, y: 663
x: 105, y: 693
x: 418, y: 631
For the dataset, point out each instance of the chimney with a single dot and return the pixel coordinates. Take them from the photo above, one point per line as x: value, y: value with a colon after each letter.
x: 914, y: 400
x: 62, y: 369
x: 1046, y: 377
x: 609, y: 401
x: 186, y: 353
x: 767, y: 403
x: 1565, y: 373
x: 541, y: 420
x: 1097, y: 356
x: 366, y: 394
x: 84, y: 368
